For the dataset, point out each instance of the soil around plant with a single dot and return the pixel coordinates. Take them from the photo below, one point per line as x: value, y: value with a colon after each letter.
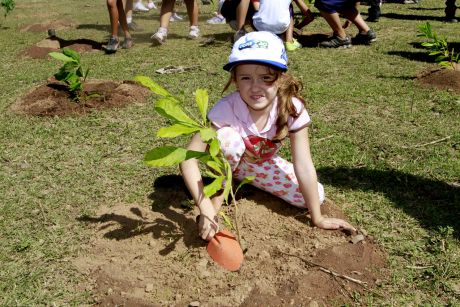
x: 54, y: 99
x: 444, y: 79
x: 152, y: 256
x: 41, y: 49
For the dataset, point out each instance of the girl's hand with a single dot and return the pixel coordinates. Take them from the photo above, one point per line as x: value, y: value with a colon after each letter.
x: 333, y: 223
x: 208, y: 225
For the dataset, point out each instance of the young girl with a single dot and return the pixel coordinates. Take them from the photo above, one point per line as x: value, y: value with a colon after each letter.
x: 251, y: 123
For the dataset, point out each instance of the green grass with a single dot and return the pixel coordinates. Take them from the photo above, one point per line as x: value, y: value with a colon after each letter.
x: 368, y: 111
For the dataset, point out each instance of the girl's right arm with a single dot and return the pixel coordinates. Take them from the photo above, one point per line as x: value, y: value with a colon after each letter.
x: 194, y: 182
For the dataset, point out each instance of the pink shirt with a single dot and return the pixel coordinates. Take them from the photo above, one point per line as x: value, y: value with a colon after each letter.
x: 232, y: 111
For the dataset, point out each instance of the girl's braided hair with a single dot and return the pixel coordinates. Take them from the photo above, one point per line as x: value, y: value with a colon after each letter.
x: 288, y: 88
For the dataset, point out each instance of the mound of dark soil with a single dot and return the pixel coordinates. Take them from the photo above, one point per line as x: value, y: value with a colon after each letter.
x: 44, y: 26
x: 41, y: 49
x: 53, y: 98
x: 445, y: 79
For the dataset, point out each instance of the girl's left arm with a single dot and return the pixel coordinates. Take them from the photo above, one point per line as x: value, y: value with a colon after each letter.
x: 308, y: 182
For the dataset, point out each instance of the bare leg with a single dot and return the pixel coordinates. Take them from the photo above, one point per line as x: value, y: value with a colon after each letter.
x: 333, y: 21
x: 113, y: 13
x: 241, y: 13
x: 122, y: 19
x: 192, y: 11
x: 167, y: 7
x: 354, y: 16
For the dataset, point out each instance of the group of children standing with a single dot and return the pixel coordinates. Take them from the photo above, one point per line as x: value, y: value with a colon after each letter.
x: 263, y: 15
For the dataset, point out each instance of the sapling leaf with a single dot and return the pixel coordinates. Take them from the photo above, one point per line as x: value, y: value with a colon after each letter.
x: 152, y: 85
x: 246, y: 180
x: 61, y: 57
x: 169, y: 108
x: 215, y: 166
x: 79, y: 71
x: 210, y: 174
x: 214, y: 148
x: 208, y: 134
x: 202, y: 100
x: 176, y: 130
x: 228, y: 185
x: 72, y: 54
x: 170, y: 155
x: 214, y: 186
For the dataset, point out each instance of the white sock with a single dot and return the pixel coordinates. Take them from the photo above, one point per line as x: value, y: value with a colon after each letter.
x: 129, y: 19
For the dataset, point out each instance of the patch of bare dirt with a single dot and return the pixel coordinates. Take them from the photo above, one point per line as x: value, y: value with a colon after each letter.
x: 44, y: 26
x: 53, y: 98
x: 41, y: 49
x: 152, y: 256
x: 445, y: 79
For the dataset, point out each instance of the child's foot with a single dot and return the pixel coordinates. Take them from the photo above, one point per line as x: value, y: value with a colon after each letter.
x: 365, y: 38
x: 239, y: 34
x: 336, y: 42
x: 294, y: 45
x: 218, y: 19
x: 151, y: 6
x: 140, y: 7
x: 112, y: 45
x: 127, y: 43
x: 175, y: 17
x: 194, y: 32
x: 160, y: 36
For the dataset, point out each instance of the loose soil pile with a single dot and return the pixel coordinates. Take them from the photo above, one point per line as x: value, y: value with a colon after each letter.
x: 153, y: 256
x: 445, y: 79
x: 53, y: 98
x: 43, y: 27
x: 41, y: 49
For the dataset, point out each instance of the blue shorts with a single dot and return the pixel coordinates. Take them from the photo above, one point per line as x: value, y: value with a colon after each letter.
x: 335, y: 6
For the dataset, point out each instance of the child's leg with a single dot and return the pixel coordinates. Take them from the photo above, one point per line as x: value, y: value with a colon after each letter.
x: 277, y: 177
x: 192, y: 11
x: 333, y: 21
x: 113, y: 13
x: 167, y: 7
x: 232, y: 145
x: 122, y: 18
x: 129, y: 11
x: 355, y: 17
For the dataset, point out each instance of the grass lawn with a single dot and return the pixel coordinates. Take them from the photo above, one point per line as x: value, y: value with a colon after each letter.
x: 386, y: 148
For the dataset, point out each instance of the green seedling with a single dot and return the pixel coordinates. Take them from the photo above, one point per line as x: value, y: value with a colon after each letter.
x: 71, y: 72
x: 183, y: 123
x: 438, y: 47
x: 7, y: 5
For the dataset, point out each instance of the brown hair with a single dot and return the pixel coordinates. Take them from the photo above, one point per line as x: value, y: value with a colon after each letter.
x: 288, y: 88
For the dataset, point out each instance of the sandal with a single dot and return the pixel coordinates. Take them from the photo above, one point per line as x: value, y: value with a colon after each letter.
x: 128, y: 43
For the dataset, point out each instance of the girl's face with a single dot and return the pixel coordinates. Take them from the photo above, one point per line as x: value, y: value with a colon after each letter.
x: 257, y: 86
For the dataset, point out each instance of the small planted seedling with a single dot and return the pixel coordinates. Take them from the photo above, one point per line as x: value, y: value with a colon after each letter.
x: 439, y: 47
x: 183, y: 123
x: 8, y: 6
x: 71, y: 72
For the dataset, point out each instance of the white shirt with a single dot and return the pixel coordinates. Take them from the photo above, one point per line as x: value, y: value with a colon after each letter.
x: 273, y: 16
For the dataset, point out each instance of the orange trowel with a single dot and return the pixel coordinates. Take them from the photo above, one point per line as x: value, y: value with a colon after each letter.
x: 225, y: 250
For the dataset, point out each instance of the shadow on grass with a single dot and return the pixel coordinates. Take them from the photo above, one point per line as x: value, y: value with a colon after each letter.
x: 433, y: 203
x: 414, y: 56
x: 99, y: 27
x: 411, y: 17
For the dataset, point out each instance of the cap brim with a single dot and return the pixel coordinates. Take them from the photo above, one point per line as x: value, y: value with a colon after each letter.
x: 282, y: 67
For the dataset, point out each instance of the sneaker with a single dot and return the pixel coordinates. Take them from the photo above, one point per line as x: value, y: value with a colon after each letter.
x: 175, y: 17
x: 239, y: 34
x: 151, y: 6
x: 140, y: 7
x: 127, y: 43
x: 410, y: 1
x: 112, y: 45
x: 160, y: 36
x: 451, y: 20
x: 336, y: 42
x: 293, y: 46
x: 365, y: 38
x: 216, y: 20
x: 194, y: 32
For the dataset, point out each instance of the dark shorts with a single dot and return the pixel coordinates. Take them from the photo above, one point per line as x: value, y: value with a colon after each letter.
x: 229, y: 7
x: 335, y: 6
